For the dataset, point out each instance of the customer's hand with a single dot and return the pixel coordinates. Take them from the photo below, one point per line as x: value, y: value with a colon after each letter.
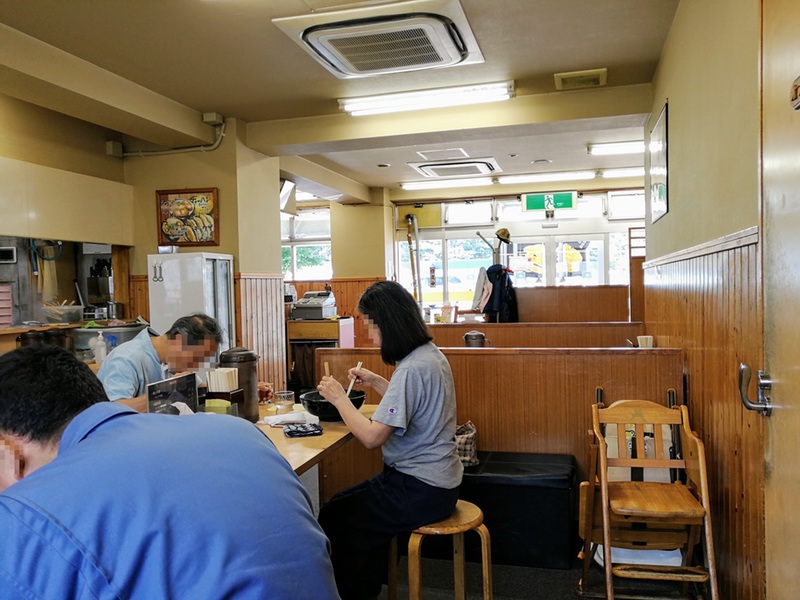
x: 265, y: 391
x: 331, y: 390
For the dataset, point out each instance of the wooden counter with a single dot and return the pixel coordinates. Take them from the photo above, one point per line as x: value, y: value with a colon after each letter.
x: 304, y: 453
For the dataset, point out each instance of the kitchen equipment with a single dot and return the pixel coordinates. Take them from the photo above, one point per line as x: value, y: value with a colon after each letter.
x: 246, y: 361
x: 315, y: 305
x: 122, y: 334
x: 62, y: 314
x: 474, y: 339
x: 28, y: 338
x: 55, y: 337
x: 320, y: 407
x: 114, y: 310
x: 191, y: 282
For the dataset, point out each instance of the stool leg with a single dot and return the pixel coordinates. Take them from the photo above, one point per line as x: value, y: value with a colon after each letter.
x: 414, y: 567
x: 486, y: 559
x: 458, y: 566
x: 392, y: 583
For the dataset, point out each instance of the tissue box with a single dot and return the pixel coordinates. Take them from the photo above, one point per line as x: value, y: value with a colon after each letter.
x: 63, y: 314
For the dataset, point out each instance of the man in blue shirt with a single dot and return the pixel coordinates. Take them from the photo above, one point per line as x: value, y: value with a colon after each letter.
x: 98, y: 501
x: 128, y: 369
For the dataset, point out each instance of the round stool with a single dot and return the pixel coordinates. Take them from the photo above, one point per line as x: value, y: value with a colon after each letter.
x: 465, y: 517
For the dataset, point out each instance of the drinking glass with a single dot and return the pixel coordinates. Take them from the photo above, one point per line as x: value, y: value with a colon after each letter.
x: 284, y: 401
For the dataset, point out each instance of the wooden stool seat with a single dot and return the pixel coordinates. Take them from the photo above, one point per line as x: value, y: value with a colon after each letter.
x: 465, y: 517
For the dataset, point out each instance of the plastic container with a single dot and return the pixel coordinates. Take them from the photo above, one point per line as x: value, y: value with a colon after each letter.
x: 63, y: 314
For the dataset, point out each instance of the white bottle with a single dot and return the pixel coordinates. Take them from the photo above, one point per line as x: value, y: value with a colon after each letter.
x: 99, y: 348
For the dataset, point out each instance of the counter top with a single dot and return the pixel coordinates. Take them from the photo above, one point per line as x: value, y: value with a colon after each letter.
x: 304, y: 453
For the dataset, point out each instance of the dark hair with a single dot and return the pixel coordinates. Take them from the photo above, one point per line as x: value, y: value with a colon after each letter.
x: 196, y: 328
x: 42, y: 388
x: 397, y: 316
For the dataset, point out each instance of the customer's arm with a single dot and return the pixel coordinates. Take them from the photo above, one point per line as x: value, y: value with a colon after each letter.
x: 121, y: 383
x: 370, y: 433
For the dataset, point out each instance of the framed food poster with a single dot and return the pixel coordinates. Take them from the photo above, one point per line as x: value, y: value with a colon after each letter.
x: 188, y: 217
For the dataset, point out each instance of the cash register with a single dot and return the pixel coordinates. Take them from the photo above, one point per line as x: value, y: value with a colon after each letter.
x: 315, y: 305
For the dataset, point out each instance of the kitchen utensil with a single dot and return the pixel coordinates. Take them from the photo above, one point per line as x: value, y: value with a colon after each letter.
x: 352, y: 381
x: 320, y: 407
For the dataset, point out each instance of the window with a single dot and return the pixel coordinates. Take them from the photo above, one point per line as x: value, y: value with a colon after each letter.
x: 306, y: 249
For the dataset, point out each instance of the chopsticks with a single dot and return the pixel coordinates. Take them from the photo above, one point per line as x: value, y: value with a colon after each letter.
x: 352, y: 381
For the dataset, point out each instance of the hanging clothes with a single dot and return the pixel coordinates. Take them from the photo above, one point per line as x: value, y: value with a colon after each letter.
x: 502, y: 304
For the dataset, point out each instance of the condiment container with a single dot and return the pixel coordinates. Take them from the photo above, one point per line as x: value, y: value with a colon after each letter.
x: 246, y: 361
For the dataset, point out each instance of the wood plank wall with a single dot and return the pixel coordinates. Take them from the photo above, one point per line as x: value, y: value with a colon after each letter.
x: 521, y: 399
x: 711, y: 306
x: 540, y: 335
x: 138, y: 297
x: 347, y: 292
x: 573, y: 303
x: 260, y: 323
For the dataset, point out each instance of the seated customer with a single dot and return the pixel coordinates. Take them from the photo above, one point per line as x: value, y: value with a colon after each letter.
x: 129, y: 368
x: 98, y: 501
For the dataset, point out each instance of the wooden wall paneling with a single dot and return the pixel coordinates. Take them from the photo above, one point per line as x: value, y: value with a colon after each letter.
x: 573, y: 303
x: 540, y: 335
x: 710, y: 305
x: 535, y: 400
x: 260, y: 325
x: 138, y: 297
x: 636, y: 289
x: 120, y: 266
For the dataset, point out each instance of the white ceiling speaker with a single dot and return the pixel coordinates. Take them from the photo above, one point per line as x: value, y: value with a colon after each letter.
x: 460, y: 168
x: 388, y: 38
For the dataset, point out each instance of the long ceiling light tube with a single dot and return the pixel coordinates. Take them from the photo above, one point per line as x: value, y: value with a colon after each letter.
x: 616, y: 148
x: 546, y: 177
x: 435, y: 98
x: 446, y: 183
x: 624, y: 172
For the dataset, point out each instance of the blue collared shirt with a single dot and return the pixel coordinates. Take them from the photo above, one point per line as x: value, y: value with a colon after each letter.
x: 130, y: 367
x: 147, y: 507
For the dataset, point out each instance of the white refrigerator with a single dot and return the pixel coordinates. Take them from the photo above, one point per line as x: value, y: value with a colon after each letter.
x: 190, y: 282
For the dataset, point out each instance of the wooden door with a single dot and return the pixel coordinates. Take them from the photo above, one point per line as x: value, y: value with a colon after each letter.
x: 781, y: 271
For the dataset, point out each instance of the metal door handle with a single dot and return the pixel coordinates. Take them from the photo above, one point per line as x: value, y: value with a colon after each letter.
x: 763, y: 405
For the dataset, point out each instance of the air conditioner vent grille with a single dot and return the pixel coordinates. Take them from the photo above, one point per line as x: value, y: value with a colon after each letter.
x: 463, y: 168
x: 391, y: 50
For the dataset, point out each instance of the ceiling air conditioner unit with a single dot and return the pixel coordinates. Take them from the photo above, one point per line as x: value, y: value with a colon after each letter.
x: 389, y: 38
x: 472, y: 167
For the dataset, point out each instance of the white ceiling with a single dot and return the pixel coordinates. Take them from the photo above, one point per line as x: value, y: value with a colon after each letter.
x: 226, y: 56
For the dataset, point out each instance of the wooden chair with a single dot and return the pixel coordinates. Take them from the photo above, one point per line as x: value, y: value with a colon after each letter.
x: 465, y: 517
x: 651, y: 515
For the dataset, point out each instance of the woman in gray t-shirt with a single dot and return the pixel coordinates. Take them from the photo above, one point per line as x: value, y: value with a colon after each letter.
x: 414, y: 425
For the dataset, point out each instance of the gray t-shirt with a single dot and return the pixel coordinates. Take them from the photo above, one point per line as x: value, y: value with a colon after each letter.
x: 420, y: 403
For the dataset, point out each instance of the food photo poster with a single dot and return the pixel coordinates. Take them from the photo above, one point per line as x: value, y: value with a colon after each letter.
x: 188, y: 217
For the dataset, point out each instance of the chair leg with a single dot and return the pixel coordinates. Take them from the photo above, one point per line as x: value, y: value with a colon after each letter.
x: 458, y: 566
x: 392, y: 583
x: 414, y: 567
x: 708, y: 547
x: 486, y: 560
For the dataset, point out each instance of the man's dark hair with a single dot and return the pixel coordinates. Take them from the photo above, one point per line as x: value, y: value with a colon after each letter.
x: 196, y: 328
x: 397, y: 315
x: 42, y: 388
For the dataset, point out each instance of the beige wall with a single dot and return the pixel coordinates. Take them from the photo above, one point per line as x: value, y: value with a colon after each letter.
x: 259, y: 221
x: 709, y: 72
x: 216, y: 168
x: 43, y: 137
x: 358, y: 244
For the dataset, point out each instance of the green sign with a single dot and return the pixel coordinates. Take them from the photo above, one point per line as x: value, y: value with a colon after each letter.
x: 556, y: 200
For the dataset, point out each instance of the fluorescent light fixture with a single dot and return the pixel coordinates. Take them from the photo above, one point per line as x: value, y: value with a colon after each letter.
x: 634, y: 147
x: 436, y: 98
x: 545, y: 177
x: 305, y: 196
x: 446, y: 183
x: 627, y: 172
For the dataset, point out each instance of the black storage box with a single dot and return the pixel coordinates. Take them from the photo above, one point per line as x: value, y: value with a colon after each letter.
x: 527, y: 503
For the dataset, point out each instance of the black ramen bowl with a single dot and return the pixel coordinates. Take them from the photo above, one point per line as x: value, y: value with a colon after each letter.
x: 320, y: 407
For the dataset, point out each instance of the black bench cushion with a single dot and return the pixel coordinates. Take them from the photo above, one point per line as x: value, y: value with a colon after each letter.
x: 522, y: 469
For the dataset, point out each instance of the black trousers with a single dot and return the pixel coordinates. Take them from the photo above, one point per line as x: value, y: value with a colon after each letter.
x: 361, y: 521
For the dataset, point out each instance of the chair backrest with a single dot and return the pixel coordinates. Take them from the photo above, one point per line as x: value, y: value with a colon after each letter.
x: 636, y: 421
